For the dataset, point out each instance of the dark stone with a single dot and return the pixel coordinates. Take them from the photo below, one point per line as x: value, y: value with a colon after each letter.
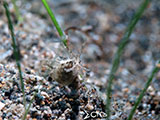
x: 8, y: 93
x: 62, y: 105
x: 157, y: 110
x: 4, y: 115
x: 140, y: 108
x: 46, y: 117
x: 144, y: 42
x: 152, y: 107
x: 73, y: 116
x: 49, y: 79
x: 85, y: 98
x: 38, y: 99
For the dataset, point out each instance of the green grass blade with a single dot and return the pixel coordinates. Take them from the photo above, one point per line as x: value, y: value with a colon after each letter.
x: 15, y: 50
x: 53, y: 18
x: 27, y: 110
x: 124, y: 41
x: 155, y: 70
x: 17, y: 12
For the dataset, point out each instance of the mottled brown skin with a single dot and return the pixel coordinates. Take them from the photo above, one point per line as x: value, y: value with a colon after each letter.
x: 65, y: 73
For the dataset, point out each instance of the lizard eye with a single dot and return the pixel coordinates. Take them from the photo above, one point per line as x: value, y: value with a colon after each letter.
x: 70, y: 64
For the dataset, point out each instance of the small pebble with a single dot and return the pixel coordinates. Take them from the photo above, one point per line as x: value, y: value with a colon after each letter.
x: 1, y: 105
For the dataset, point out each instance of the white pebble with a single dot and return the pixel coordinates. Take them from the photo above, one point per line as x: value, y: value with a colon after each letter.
x: 1, y: 105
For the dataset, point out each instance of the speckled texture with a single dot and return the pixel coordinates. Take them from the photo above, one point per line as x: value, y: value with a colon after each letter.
x: 37, y: 39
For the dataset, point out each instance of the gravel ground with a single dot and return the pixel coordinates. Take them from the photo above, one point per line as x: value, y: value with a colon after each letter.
x: 104, y: 23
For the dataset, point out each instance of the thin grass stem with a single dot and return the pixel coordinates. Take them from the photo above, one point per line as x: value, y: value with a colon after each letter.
x: 15, y: 50
x: 27, y: 109
x: 124, y: 41
x: 53, y: 18
x: 155, y: 70
x: 17, y: 12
